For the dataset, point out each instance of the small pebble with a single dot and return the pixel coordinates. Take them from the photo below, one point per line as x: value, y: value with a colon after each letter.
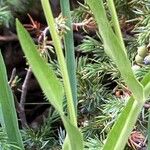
x: 135, y: 68
x: 147, y: 60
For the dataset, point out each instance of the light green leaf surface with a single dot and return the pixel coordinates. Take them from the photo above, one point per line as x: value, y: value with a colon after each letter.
x: 69, y: 50
x: 46, y: 77
x: 146, y: 82
x: 9, y: 115
x: 74, y: 138
x: 120, y: 132
x: 148, y: 131
x: 118, y: 136
x: 61, y: 60
x: 114, y: 49
x: 49, y: 83
x: 1, y: 117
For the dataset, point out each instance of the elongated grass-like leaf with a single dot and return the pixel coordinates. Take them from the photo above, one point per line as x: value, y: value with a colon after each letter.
x: 69, y: 55
x: 61, y: 60
x: 69, y: 50
x: 49, y: 83
x: 116, y: 22
x: 8, y: 109
x: 148, y: 130
x: 146, y: 82
x: 74, y: 139
x: 146, y: 79
x: 114, y: 49
x: 120, y: 132
x: 126, y: 120
x: 1, y: 118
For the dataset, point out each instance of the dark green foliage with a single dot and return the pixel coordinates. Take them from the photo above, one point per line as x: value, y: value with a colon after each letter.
x: 43, y: 137
x: 8, y: 10
x: 12, y: 9
x: 93, y: 144
x: 142, y: 11
x: 5, y: 16
x: 17, y: 5
x: 4, y: 145
x: 124, y: 8
x: 96, y: 72
x: 78, y: 15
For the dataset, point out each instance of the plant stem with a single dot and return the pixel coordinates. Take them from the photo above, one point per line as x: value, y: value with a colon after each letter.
x: 69, y: 49
x: 134, y: 108
x: 117, y: 141
x: 113, y: 48
x: 13, y: 74
x: 23, y: 98
x: 61, y: 60
x: 116, y: 22
x: 148, y: 146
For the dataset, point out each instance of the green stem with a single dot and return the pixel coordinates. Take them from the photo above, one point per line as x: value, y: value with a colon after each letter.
x: 117, y: 141
x: 113, y: 48
x: 116, y: 22
x: 147, y: 89
x: 69, y: 49
x: 148, y: 146
x: 127, y: 122
x: 61, y: 60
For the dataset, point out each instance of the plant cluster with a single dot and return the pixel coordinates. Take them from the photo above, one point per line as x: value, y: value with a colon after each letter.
x: 102, y: 90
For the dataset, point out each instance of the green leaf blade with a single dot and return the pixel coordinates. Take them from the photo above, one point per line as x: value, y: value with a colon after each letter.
x: 114, y: 49
x: 118, y: 136
x: 10, y: 121
x: 69, y: 50
x: 125, y: 120
x: 120, y: 132
x: 61, y: 59
x: 75, y: 140
x: 48, y: 81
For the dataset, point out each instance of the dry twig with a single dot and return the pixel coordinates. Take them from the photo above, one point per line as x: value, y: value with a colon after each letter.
x: 23, y: 98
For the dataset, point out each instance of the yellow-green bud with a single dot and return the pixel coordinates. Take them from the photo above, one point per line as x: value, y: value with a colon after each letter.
x: 142, y: 51
x: 139, y: 59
